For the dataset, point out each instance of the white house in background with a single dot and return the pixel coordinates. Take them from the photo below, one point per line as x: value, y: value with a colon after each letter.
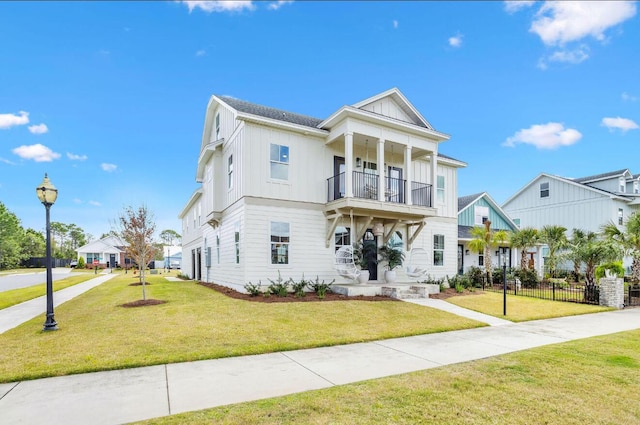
x: 281, y: 192
x: 172, y: 255
x: 585, y: 203
x: 474, y: 210
x: 108, y: 252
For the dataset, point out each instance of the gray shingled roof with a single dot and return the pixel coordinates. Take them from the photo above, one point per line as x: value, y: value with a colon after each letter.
x: 464, y: 232
x: 463, y: 201
x: 600, y: 176
x: 273, y: 113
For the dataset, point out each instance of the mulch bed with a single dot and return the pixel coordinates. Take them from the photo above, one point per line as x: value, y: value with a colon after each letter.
x: 451, y: 292
x: 309, y: 297
x: 142, y: 303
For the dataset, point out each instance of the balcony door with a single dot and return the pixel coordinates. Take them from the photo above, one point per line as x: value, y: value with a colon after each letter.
x: 339, y: 174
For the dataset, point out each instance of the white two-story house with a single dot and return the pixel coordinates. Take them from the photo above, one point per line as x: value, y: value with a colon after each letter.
x: 281, y: 192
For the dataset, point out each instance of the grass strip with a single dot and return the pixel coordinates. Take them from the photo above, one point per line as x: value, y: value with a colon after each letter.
x: 20, y: 295
x: 590, y: 381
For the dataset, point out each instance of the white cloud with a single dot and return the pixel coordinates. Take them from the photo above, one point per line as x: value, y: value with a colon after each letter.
x: 75, y: 157
x: 627, y: 97
x: 108, y: 167
x: 278, y: 4
x: 201, y: 52
x: 545, y: 136
x: 623, y: 124
x: 6, y: 161
x: 560, y: 22
x: 395, y: 24
x: 10, y: 120
x: 95, y: 203
x: 38, y: 129
x: 513, y: 6
x: 574, y: 56
x: 218, y: 5
x: 455, y: 41
x: 77, y: 201
x: 38, y: 153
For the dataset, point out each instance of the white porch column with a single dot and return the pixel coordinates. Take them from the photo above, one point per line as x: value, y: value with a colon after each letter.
x: 434, y: 179
x: 348, y: 164
x: 381, y: 185
x: 408, y: 175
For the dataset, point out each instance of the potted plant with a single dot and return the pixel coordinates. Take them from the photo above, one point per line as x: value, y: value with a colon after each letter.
x: 394, y: 258
x: 364, y: 254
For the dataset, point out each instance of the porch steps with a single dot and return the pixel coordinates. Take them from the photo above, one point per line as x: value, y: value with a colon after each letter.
x: 405, y: 293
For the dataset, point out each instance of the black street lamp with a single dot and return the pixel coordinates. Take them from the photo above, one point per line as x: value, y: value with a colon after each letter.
x: 47, y: 194
x: 504, y: 283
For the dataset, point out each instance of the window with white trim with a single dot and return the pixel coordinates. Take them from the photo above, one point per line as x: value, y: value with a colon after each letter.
x: 280, y: 237
x: 342, y: 237
x: 279, y: 161
x: 438, y: 250
x: 480, y: 260
x: 230, y: 172
x: 620, y: 216
x: 636, y: 190
x: 481, y: 214
x: 440, y: 189
x: 544, y: 190
x: 622, y: 183
x: 218, y: 126
x: 237, y: 242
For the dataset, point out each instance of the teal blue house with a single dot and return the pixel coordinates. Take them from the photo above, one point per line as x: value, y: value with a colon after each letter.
x: 475, y: 210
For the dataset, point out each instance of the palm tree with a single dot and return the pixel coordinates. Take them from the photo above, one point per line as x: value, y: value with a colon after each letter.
x: 484, y: 241
x: 591, y: 250
x: 629, y: 240
x: 555, y: 239
x: 523, y: 239
x: 578, y: 238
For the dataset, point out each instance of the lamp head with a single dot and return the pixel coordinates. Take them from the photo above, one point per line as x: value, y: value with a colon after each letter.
x: 47, y: 192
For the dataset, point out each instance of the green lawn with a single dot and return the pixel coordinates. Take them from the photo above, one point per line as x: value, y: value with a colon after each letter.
x: 196, y: 323
x: 520, y: 309
x: 21, y: 271
x: 17, y: 296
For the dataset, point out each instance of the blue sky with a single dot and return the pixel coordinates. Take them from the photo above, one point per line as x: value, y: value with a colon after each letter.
x: 109, y: 98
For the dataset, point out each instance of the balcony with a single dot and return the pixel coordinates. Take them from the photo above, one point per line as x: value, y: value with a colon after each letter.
x: 365, y: 186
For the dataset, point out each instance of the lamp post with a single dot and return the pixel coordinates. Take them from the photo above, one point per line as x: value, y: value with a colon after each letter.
x: 504, y: 283
x: 47, y: 194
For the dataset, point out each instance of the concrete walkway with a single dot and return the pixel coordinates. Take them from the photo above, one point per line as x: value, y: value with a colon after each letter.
x: 122, y: 396
x: 459, y: 311
x: 13, y: 316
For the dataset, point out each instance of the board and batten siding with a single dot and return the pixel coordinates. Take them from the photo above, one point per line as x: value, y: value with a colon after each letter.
x: 567, y: 205
x: 228, y: 123
x: 467, y: 217
x: 389, y: 108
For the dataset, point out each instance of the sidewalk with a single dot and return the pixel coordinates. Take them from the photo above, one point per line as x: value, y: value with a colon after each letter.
x: 18, y: 314
x: 123, y: 396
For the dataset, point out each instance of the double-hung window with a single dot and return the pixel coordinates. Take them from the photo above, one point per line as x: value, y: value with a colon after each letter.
x: 279, y: 161
x: 230, y: 172
x: 544, y: 190
x: 620, y: 216
x: 280, y: 237
x: 622, y: 184
x: 438, y: 250
x: 481, y: 214
x: 218, y: 126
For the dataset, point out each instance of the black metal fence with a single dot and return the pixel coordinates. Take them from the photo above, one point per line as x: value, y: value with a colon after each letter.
x: 421, y: 194
x: 42, y: 262
x: 568, y: 292
x: 365, y: 186
x: 632, y: 296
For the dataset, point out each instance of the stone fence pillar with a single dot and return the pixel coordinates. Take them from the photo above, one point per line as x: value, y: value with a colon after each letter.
x: 612, y: 292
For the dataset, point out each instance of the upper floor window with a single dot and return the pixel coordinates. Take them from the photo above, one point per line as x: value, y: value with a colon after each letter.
x: 438, y: 250
x: 620, y: 216
x: 622, y: 184
x: 230, y: 172
x: 481, y: 215
x: 280, y: 238
x: 544, y: 190
x: 635, y: 187
x: 279, y: 159
x: 218, y: 126
x: 441, y: 189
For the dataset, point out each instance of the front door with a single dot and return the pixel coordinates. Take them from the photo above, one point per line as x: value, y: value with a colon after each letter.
x: 460, y: 260
x: 112, y: 260
x: 370, y: 242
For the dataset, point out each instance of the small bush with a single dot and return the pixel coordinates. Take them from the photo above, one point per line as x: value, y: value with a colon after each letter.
x: 279, y: 287
x: 298, y: 287
x: 81, y: 263
x: 614, y: 267
x: 253, y: 289
x: 475, y: 276
x: 320, y: 288
x: 459, y: 280
x: 528, y: 278
x: 458, y: 287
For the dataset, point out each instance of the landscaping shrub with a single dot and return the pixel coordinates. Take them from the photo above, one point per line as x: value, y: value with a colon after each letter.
x: 320, y: 288
x: 528, y: 278
x: 461, y: 281
x: 475, y: 276
x: 253, y: 289
x: 615, y: 267
x: 81, y: 263
x: 433, y: 281
x: 298, y: 287
x: 279, y: 287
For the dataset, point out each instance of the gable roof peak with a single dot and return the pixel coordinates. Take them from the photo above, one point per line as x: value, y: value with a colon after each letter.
x: 602, y: 176
x: 401, y: 100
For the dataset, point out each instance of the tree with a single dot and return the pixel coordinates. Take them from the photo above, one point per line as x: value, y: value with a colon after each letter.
x: 136, y: 228
x: 523, y: 239
x: 33, y: 244
x: 629, y: 240
x: 58, y: 230
x: 590, y: 249
x: 11, y: 238
x: 484, y: 241
x: 168, y: 236
x: 555, y: 238
x: 578, y: 238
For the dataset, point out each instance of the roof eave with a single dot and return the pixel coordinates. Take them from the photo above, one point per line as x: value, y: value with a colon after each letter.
x: 281, y: 124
